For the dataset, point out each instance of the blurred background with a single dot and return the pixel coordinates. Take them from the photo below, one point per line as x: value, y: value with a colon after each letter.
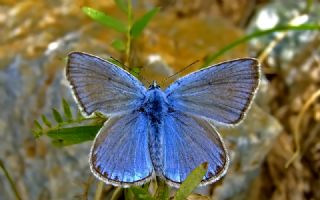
x: 37, y: 35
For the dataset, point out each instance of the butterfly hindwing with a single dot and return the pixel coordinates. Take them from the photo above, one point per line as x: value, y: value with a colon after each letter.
x: 187, y: 142
x: 102, y: 86
x: 222, y: 92
x: 120, y: 153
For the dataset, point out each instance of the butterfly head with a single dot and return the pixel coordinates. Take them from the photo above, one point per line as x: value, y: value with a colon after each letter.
x: 154, y: 85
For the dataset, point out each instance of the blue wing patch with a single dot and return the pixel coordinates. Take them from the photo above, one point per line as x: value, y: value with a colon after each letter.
x: 120, y: 154
x: 99, y: 85
x: 188, y: 142
x: 221, y: 93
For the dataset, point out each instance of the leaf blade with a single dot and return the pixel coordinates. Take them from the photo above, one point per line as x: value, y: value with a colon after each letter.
x: 123, y: 5
x: 73, y: 135
x: 46, y: 121
x: 104, y: 19
x: 142, y: 22
x: 118, y: 44
x: 163, y: 191
x: 57, y: 115
x: 141, y: 193
x: 191, y: 182
x: 67, y: 110
x: 37, y: 124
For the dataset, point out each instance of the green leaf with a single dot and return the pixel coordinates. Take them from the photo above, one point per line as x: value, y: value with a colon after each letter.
x: 37, y: 124
x: 118, y: 44
x: 67, y: 109
x: 104, y: 19
x: 142, y: 22
x: 135, y: 71
x: 257, y: 34
x: 162, y: 191
x: 128, y: 194
x: 36, y: 134
x: 123, y: 5
x: 73, y: 135
x: 46, y: 121
x: 141, y: 193
x: 79, y: 115
x: 116, y: 62
x: 191, y: 182
x: 57, y: 115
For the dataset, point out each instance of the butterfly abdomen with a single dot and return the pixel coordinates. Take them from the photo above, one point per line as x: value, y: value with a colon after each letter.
x: 155, y: 148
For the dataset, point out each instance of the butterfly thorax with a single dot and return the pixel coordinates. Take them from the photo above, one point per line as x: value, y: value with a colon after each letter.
x: 155, y: 105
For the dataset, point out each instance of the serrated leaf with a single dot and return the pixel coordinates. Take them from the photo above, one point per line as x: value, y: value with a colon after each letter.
x: 73, y: 135
x: 142, y: 22
x: 123, y: 5
x: 67, y: 109
x: 37, y: 124
x: 104, y: 19
x: 118, y: 44
x: 46, y: 121
x: 141, y: 193
x: 57, y: 115
x: 191, y: 182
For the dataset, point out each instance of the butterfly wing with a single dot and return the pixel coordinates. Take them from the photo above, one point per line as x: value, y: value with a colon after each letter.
x: 102, y: 86
x: 222, y: 92
x: 120, y: 154
x: 187, y: 142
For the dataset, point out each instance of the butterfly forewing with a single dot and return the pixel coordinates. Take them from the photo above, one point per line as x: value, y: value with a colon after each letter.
x: 101, y: 86
x: 187, y: 142
x: 222, y: 92
x: 120, y: 153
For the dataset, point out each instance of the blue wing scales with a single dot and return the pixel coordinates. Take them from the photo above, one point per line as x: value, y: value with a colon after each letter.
x: 101, y: 86
x: 222, y: 92
x: 120, y: 154
x: 187, y: 142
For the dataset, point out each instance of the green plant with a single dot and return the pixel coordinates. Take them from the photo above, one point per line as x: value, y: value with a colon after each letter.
x: 304, y: 27
x: 67, y: 129
x: 132, y: 29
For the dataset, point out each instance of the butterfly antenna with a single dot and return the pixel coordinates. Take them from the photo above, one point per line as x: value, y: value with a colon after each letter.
x: 142, y: 78
x: 128, y: 69
x: 183, y: 69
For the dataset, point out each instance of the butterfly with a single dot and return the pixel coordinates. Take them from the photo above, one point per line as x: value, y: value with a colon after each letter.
x: 154, y: 132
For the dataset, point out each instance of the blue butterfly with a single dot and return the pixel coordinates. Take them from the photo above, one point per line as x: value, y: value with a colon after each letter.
x: 150, y: 132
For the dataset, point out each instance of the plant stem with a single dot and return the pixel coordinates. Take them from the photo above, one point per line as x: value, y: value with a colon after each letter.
x: 128, y: 46
x: 99, y: 190
x: 256, y: 34
x: 12, y: 184
x: 296, y: 130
